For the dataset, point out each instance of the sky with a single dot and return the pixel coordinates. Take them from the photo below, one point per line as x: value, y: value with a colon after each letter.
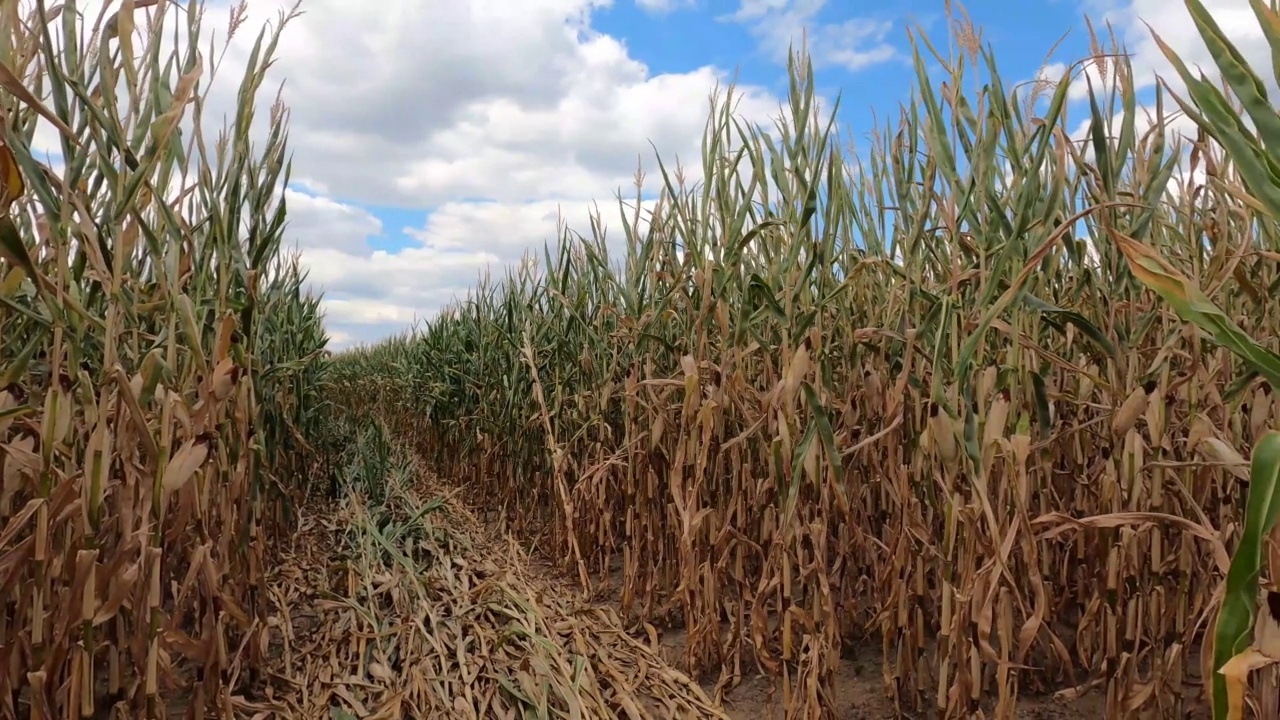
x: 433, y: 139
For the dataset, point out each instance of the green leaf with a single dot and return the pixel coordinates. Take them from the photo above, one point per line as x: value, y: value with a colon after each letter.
x: 1082, y: 323
x: 1234, y: 630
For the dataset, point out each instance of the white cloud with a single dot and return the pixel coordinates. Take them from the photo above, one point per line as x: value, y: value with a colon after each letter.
x: 1135, y: 20
x: 318, y: 222
x: 1132, y: 24
x: 1087, y: 74
x: 779, y: 25
x: 488, y: 115
x: 369, y: 294
x: 425, y: 102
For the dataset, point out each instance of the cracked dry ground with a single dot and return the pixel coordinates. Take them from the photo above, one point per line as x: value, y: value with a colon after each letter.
x: 413, y: 608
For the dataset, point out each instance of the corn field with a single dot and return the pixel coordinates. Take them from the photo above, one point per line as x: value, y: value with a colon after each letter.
x: 974, y: 399
x: 913, y: 401
x: 160, y: 366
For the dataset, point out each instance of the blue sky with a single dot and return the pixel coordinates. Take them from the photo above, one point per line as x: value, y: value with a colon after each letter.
x: 436, y: 139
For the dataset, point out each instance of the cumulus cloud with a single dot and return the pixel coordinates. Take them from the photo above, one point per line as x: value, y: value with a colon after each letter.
x: 1135, y: 20
x: 367, y: 293
x: 852, y: 44
x: 424, y: 102
x: 322, y: 223
x: 486, y: 117
x: 494, y: 121
x: 1133, y: 23
x: 1089, y: 73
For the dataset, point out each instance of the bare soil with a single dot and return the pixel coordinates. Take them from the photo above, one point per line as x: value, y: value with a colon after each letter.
x: 859, y: 694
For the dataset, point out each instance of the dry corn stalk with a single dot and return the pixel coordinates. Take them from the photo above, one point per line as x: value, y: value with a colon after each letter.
x: 143, y: 463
